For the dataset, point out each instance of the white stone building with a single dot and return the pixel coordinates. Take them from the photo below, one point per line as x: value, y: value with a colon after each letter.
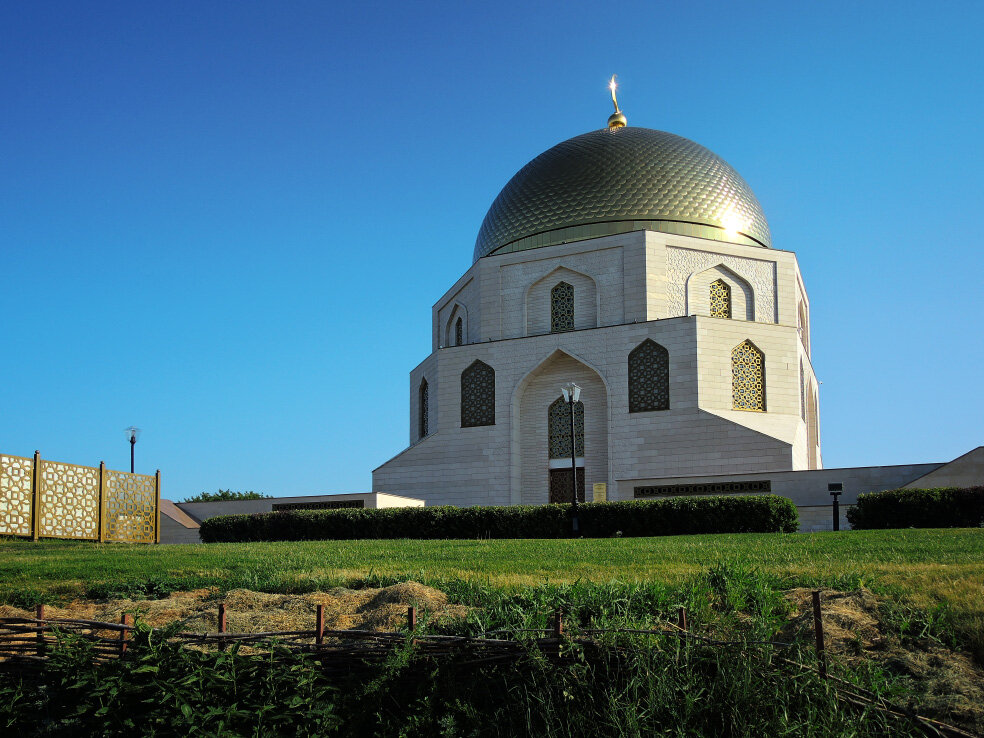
x: 639, y: 265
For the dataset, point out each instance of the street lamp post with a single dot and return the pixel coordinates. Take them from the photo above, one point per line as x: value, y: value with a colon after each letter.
x: 132, y: 433
x: 572, y: 393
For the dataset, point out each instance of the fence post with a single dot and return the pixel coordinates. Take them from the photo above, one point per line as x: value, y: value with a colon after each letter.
x: 222, y: 625
x: 36, y: 497
x: 818, y: 631
x: 319, y: 636
x: 124, y: 620
x: 682, y: 620
x: 39, y: 612
x: 412, y: 618
x: 101, y: 523
x: 157, y: 506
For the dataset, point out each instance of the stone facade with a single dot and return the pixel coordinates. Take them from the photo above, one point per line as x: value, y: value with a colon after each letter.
x: 627, y: 288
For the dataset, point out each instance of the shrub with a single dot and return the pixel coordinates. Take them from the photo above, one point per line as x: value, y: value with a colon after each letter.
x: 676, y: 516
x: 940, y: 507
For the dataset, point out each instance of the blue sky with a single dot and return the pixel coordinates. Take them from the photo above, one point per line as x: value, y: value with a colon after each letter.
x: 226, y: 223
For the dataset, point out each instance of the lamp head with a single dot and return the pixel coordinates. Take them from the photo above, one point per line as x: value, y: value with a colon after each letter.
x: 132, y: 434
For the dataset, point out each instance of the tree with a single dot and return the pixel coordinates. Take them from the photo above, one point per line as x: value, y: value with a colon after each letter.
x: 226, y: 495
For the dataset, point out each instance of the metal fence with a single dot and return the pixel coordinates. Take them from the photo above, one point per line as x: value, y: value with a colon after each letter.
x: 51, y: 499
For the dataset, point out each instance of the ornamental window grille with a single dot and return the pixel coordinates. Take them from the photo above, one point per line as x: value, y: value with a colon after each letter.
x: 477, y: 395
x: 711, y: 488
x: 559, y: 429
x: 720, y: 299
x: 562, y: 308
x: 748, y: 377
x: 649, y: 377
x: 802, y: 392
x: 424, y: 408
x: 458, y: 332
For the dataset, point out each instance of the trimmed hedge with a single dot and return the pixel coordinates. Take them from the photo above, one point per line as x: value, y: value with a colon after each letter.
x: 940, y: 507
x: 677, y: 516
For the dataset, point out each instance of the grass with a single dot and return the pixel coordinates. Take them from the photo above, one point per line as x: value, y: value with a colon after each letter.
x: 730, y: 584
x: 931, y: 570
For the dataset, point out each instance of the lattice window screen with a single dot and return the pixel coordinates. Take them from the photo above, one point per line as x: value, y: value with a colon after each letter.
x: 802, y: 393
x: 458, y: 332
x: 649, y: 377
x: 720, y: 299
x: 559, y: 429
x: 424, y: 408
x: 748, y: 377
x: 477, y: 395
x: 562, y: 308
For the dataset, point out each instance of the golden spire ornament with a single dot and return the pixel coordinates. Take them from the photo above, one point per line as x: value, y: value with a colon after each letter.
x: 617, y: 119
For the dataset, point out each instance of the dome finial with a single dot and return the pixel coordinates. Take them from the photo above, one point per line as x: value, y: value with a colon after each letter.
x: 617, y: 119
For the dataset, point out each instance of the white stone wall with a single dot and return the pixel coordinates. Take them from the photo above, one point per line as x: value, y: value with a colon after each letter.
x: 628, y: 288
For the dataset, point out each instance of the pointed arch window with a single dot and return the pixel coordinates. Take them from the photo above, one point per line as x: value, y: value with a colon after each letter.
x: 562, y: 308
x: 649, y: 377
x: 458, y: 332
x: 424, y: 408
x: 748, y: 377
x: 720, y: 299
x: 477, y: 395
x: 559, y: 429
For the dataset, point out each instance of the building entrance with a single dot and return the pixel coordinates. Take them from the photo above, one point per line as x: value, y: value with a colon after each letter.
x: 560, y: 485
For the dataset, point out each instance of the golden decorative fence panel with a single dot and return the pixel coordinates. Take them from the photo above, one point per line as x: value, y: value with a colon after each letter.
x: 51, y: 499
x: 69, y: 501
x: 16, y: 493
x: 129, y: 507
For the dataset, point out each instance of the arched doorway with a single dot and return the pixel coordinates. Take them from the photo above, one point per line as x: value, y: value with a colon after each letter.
x: 542, y: 432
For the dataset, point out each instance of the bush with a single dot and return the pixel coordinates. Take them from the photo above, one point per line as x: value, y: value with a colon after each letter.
x: 677, y: 516
x: 940, y: 507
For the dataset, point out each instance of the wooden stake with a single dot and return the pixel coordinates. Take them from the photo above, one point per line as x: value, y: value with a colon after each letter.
x: 39, y: 612
x: 818, y: 631
x: 559, y: 624
x: 124, y: 620
x: 682, y: 620
x: 319, y: 637
x: 412, y: 618
x: 222, y: 624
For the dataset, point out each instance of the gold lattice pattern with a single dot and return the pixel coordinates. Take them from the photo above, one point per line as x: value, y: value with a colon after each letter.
x: 720, y: 299
x: 477, y: 395
x: 69, y: 501
x: 748, y: 377
x: 559, y: 429
x: 562, y: 308
x: 649, y: 377
x: 16, y: 479
x: 129, y: 507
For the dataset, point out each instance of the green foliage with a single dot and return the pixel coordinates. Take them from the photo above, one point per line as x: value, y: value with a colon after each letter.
x: 163, y: 689
x: 624, y: 686
x: 678, y: 516
x: 940, y: 507
x: 226, y: 495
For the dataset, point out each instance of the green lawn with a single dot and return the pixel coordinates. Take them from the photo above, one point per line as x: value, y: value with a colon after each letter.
x: 929, y: 566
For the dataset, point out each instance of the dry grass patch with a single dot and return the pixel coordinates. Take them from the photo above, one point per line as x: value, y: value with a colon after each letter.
x: 383, y: 609
x: 946, y: 683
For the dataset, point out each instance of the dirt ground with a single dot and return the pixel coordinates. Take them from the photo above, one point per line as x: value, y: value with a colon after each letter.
x: 949, y: 685
x: 256, y: 612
